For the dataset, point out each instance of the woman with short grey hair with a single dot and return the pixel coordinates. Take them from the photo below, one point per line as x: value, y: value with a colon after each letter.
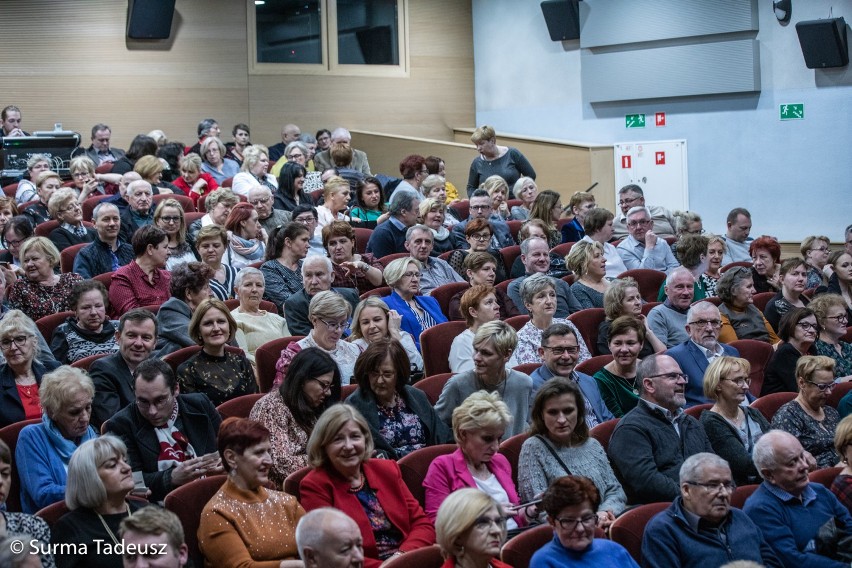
x: 418, y: 312
x: 254, y: 325
x: 26, y: 191
x: 214, y: 161
x: 740, y: 318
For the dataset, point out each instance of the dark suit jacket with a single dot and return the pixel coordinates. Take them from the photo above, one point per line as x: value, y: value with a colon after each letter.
x: 296, y: 309
x: 11, y: 408
x: 63, y: 238
x: 693, y: 362
x: 129, y: 226
x: 114, y: 387
x: 92, y: 154
x: 197, y: 419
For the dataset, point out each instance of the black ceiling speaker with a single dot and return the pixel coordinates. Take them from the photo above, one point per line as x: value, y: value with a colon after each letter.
x: 150, y: 19
x: 824, y: 43
x: 562, y: 18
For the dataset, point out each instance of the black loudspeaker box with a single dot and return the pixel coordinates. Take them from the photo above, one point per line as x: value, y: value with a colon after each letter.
x: 150, y: 19
x: 562, y: 18
x: 824, y: 43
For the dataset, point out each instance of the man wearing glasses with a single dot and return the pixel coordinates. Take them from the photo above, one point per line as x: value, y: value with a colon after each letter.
x: 643, y: 248
x: 317, y: 275
x: 631, y: 196
x: 170, y: 437
x: 700, y: 528
x: 651, y: 442
x: 703, y: 323
x: 260, y: 198
x: 481, y: 207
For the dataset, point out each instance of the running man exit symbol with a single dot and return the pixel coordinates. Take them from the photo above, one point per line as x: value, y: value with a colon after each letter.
x: 792, y: 111
x: 634, y: 121
x: 660, y: 158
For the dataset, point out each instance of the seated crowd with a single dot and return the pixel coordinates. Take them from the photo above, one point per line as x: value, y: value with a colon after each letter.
x: 143, y: 299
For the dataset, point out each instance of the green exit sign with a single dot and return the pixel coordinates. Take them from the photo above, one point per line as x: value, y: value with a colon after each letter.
x: 634, y: 121
x: 792, y: 112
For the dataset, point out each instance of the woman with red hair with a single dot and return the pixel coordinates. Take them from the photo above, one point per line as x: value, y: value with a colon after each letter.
x: 246, y: 237
x: 765, y: 255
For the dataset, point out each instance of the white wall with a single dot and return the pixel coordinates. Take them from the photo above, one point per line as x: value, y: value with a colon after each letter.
x: 793, y: 176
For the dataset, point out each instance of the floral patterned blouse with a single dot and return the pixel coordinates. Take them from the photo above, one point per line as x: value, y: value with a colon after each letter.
x: 816, y: 437
x: 842, y: 360
x: 288, y: 440
x: 529, y: 340
x: 37, y: 300
x: 388, y: 537
x: 401, y: 428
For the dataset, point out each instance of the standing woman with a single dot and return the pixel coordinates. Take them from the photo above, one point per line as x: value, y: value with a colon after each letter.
x: 799, y: 331
x: 247, y: 238
x: 589, y: 265
x: 716, y: 249
x: 254, y: 171
x: 169, y: 216
x: 617, y: 380
x: 794, y: 277
x: 418, y: 312
x: 831, y: 315
x: 548, y: 207
x: 212, y: 245
x: 470, y: 529
x: 526, y: 190
x: 283, y: 267
x: 220, y: 374
x: 291, y: 187
x: 214, y: 160
x: 479, y: 306
x: 41, y: 291
x: 373, y: 321
x: 254, y: 326
x: 504, y: 161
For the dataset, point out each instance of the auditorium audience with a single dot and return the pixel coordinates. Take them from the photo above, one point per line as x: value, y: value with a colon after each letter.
x: 169, y: 216
x: 418, y: 312
x: 588, y: 263
x: 362, y: 272
x: 740, y: 318
x: 322, y: 160
x: 598, y: 226
x: 537, y: 228
x: 373, y: 321
x: 65, y: 208
x: 737, y: 239
x: 288, y: 247
x: 507, y: 162
x: 84, y: 178
x: 830, y: 311
x: 618, y: 381
x: 41, y: 292
x: 89, y: 331
x: 470, y: 528
x: 765, y: 257
x: 189, y: 286
x: 793, y: 275
x: 254, y: 325
x: 479, y: 305
x: 623, y: 299
x: 799, y: 331
x: 335, y: 201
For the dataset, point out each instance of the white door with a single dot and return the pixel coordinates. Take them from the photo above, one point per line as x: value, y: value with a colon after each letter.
x: 659, y: 168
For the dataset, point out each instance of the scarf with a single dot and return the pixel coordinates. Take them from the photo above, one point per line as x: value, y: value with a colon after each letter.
x: 252, y: 249
x: 63, y: 446
x: 441, y: 234
x: 174, y: 446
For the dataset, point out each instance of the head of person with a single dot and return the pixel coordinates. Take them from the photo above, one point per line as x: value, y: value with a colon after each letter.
x: 581, y: 203
x: 107, y: 220
x: 622, y: 298
x: 212, y: 151
x: 156, y: 390
x: 830, y: 310
x: 485, y: 139
x: 245, y: 451
x: 587, y: 260
x: 317, y: 274
x: 66, y: 397
x: 190, y: 282
x: 16, y: 551
x: 336, y: 192
x: 479, y: 305
x: 291, y: 178
x: 470, y: 527
x: 219, y: 204
x: 815, y: 378
x: 794, y: 276
x: 498, y: 190
x: 841, y: 262
x: 46, y: 183
x: 169, y: 216
x: 8, y: 209
x: 571, y: 503
x: 559, y: 349
x: 208, y: 127
x: 150, y: 169
x: 212, y: 326
x: 328, y: 538
x: 630, y: 196
x: 306, y: 215
x: 126, y: 179
x: 18, y: 229
x: 480, y: 268
x: 706, y: 486
x: 18, y: 339
x: 526, y: 190
x: 662, y: 380
x: 249, y: 286
x: 781, y: 461
x: 405, y: 206
x: 136, y: 336
x: 716, y: 249
x: 36, y: 164
x: 310, y: 143
x: 256, y: 160
x: 290, y: 132
x: 598, y: 224
x: 293, y: 238
x: 260, y: 197
x: 90, y: 301
x: 312, y: 384
x: 625, y: 340
x: 432, y: 213
x: 815, y: 250
x: 481, y: 205
x: 323, y: 136
x: 559, y: 413
x: 842, y: 440
x: 211, y: 243
x: 435, y: 186
x: 382, y: 370
x: 493, y: 345
x: 243, y: 221
x: 328, y: 313
x: 297, y: 151
x: 11, y: 117
x: 736, y: 287
x: 242, y: 134
x: 140, y: 196
x: 739, y: 224
x: 82, y: 170
x: 687, y: 223
x: 101, y: 135
x: 154, y: 529
x: 39, y: 258
x: 478, y: 234
x: 727, y: 379
x: 98, y: 472
x: 800, y: 326
x: 341, y: 155
x: 435, y: 166
x: 419, y: 242
x: 370, y: 320
x: 639, y: 222
x: 547, y: 207
x: 765, y: 255
x: 535, y: 254
x: 190, y: 168
x: 703, y: 324
x: 162, y: 140
x: 369, y: 194
x: 64, y: 207
x: 680, y: 287
x: 692, y: 252
x: 538, y: 293
x: 142, y: 145
x: 403, y: 275
x: 340, y: 440
x: 479, y: 423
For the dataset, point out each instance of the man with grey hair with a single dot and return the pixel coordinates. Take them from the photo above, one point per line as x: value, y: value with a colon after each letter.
x: 107, y: 253
x: 323, y: 161
x: 703, y: 323
x: 535, y: 254
x: 317, y: 274
x: 389, y: 237
x: 260, y: 197
x: 643, y: 248
x: 668, y: 320
x: 434, y: 272
x: 328, y: 538
x: 651, y: 442
x: 630, y: 196
x: 482, y: 207
x: 100, y: 150
x: 700, y: 528
x: 140, y: 210
x: 794, y: 514
x: 120, y: 197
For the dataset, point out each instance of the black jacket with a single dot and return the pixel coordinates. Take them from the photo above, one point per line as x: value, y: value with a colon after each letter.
x: 11, y: 408
x: 114, y: 387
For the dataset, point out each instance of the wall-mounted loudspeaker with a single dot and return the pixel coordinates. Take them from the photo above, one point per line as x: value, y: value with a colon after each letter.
x: 824, y: 43
x: 150, y: 19
x: 562, y: 18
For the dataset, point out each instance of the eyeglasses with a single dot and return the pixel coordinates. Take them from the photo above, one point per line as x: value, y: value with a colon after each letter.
x: 715, y: 486
x: 81, y: 175
x: 569, y: 524
x: 387, y: 375
x: 261, y: 201
x: 332, y: 325
x: 670, y: 376
x: 15, y: 243
x: 305, y: 220
x: 484, y: 523
x: 326, y: 387
x: 170, y: 219
x: 628, y: 200
x: 638, y: 223
x: 807, y: 326
x: 18, y: 340
x: 70, y: 208
x: 558, y: 351
x: 821, y: 386
x: 838, y: 318
x: 411, y: 275
x: 822, y: 249
x: 299, y: 155
x: 159, y: 403
x: 704, y: 323
x: 481, y: 238
x: 740, y: 381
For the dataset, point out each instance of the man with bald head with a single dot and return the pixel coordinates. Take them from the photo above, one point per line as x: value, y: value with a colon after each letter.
x: 260, y: 197
x: 651, y: 442
x: 289, y: 133
x: 328, y: 538
x: 323, y: 161
x: 668, y: 320
x: 703, y: 323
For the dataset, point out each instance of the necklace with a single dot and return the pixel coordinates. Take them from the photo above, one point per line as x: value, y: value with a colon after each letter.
x: 361, y: 481
x: 108, y: 530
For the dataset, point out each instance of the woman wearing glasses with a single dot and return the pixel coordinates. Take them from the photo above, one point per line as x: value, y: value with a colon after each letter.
x: 170, y: 218
x: 731, y: 424
x: 418, y: 312
x: 82, y: 171
x: 65, y: 208
x: 808, y: 417
x: 478, y: 233
x: 470, y: 529
x: 798, y: 330
x: 740, y: 318
x: 571, y: 504
x: 830, y: 310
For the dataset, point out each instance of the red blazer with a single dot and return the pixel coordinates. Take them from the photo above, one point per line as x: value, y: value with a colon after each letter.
x: 324, y: 487
x: 494, y: 563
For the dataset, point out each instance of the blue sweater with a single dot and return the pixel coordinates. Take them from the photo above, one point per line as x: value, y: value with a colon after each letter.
x: 670, y: 541
x: 601, y: 553
x: 790, y: 526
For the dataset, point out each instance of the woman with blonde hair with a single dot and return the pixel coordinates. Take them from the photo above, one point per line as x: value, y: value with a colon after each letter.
x: 85, y: 180
x: 336, y: 192
x: 192, y: 181
x: 504, y: 161
x: 589, y: 265
x: 548, y: 207
x: 214, y: 161
x: 843, y: 444
x: 830, y: 310
x: 433, y: 214
x: 498, y: 191
x: 373, y: 321
x: 255, y: 170
x: 65, y: 208
x: 169, y: 216
x: 470, y: 529
x: 151, y: 168
x: 41, y: 291
x: 716, y: 249
x: 418, y: 312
